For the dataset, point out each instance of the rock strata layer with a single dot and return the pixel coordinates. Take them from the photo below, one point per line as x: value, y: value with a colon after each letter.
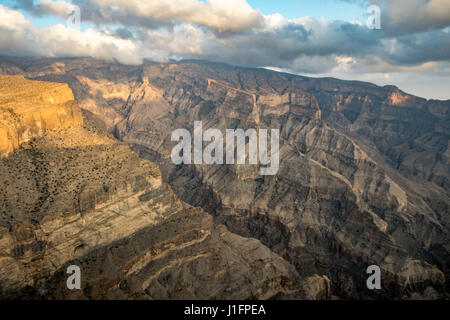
x: 29, y: 109
x: 73, y: 195
x: 363, y: 173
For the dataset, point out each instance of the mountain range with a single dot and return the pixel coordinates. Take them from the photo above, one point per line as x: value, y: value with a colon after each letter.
x: 87, y: 179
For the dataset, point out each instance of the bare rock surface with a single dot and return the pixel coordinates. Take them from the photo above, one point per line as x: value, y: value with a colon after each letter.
x: 74, y: 195
x: 363, y: 173
x: 30, y: 109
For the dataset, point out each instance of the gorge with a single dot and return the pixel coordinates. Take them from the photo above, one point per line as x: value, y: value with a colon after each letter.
x: 363, y: 180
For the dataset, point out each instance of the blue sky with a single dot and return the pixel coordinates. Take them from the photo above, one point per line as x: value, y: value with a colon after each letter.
x: 329, y: 9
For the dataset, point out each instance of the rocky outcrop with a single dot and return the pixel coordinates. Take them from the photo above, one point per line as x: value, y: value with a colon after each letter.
x: 76, y: 196
x: 29, y: 109
x: 363, y: 171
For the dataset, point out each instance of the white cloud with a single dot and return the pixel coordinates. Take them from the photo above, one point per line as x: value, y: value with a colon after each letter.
x: 57, y: 7
x: 407, y: 16
x: 19, y: 36
x: 16, y: 33
x: 60, y: 41
x: 218, y: 15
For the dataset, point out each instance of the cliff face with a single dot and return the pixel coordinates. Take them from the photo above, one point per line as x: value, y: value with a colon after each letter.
x: 73, y: 195
x: 409, y: 132
x: 29, y: 109
x: 363, y: 173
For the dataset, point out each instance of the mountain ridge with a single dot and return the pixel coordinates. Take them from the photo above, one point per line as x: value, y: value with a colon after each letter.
x: 23, y: 61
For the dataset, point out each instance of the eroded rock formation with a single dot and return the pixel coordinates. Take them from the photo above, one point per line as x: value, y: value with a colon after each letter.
x: 28, y: 109
x: 363, y: 175
x: 73, y: 195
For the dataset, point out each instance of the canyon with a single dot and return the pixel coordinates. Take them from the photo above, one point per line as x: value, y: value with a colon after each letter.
x: 73, y: 195
x: 363, y: 180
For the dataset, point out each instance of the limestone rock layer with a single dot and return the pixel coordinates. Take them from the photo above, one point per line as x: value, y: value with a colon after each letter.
x: 74, y: 195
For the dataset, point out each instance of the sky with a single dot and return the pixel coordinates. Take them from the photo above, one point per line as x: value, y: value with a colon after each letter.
x: 329, y: 9
x: 328, y: 38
